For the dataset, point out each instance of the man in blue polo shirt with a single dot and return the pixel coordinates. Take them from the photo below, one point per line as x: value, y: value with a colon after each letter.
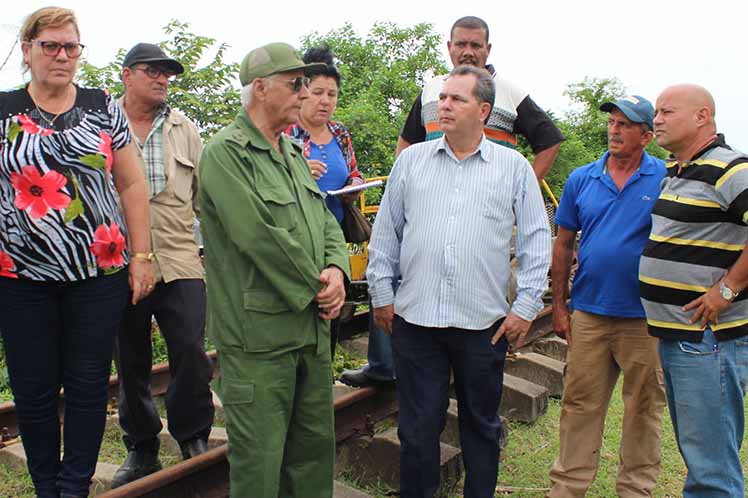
x: 610, y: 201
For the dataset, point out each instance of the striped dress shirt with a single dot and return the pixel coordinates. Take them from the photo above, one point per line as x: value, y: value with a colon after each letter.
x: 445, y: 226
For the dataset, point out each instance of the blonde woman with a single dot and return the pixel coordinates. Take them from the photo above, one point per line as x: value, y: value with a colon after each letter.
x: 66, y: 272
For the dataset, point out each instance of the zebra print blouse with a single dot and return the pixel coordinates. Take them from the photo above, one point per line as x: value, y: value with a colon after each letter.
x: 60, y: 218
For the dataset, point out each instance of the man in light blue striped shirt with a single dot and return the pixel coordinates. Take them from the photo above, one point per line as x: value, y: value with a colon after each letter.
x: 445, y: 225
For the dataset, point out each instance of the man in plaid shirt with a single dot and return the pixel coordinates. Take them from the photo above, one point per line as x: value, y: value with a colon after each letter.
x: 169, y: 147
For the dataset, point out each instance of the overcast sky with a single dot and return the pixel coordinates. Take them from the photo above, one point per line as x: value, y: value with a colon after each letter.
x: 540, y: 45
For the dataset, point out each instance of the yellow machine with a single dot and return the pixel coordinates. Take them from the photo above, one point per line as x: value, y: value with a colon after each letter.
x: 359, y: 253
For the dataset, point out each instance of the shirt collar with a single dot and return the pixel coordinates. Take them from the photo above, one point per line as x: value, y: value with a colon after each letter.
x: 647, y: 165
x: 719, y: 141
x: 483, y: 150
x: 246, y: 132
x: 163, y: 111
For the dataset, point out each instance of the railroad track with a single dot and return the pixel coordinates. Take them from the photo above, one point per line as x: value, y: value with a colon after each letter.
x: 160, y: 379
x: 207, y: 475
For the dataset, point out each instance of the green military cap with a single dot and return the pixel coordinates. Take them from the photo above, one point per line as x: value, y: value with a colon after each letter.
x: 271, y: 59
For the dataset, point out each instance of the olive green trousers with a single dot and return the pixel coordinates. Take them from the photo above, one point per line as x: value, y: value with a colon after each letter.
x: 279, y: 420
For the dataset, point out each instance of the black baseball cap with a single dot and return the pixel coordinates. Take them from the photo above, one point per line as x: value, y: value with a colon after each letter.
x: 151, y: 54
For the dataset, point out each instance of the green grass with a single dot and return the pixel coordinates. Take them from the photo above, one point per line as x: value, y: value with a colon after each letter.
x: 345, y: 360
x: 525, y: 462
x: 16, y: 483
x: 532, y: 449
x: 5, y: 394
x: 113, y: 449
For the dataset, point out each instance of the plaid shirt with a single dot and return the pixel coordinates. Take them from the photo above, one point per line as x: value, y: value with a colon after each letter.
x: 342, y: 137
x: 153, y: 153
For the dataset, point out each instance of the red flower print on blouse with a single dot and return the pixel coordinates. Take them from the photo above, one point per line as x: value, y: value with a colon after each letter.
x: 31, y: 127
x: 108, y: 246
x: 7, y: 266
x: 41, y: 193
x: 105, y: 147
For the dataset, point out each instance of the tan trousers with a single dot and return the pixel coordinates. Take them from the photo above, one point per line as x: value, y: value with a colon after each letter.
x: 602, y: 347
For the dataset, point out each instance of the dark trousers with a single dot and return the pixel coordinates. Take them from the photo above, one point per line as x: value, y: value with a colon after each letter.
x: 179, y: 309
x: 424, y: 357
x: 61, y: 335
x: 334, y: 334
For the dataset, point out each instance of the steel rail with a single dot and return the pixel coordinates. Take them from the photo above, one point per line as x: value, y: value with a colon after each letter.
x: 160, y: 378
x: 207, y: 475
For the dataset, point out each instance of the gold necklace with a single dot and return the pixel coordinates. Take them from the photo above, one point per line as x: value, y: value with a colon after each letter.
x: 42, y: 114
x: 51, y: 122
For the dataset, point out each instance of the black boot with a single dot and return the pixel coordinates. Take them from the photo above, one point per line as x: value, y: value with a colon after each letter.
x: 139, y: 463
x: 193, y: 447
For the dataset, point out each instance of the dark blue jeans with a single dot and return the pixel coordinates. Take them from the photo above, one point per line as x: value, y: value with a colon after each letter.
x: 424, y: 357
x: 61, y: 335
x: 381, y: 366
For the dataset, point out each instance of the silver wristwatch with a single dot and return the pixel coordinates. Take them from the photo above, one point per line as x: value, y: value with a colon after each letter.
x: 726, y: 293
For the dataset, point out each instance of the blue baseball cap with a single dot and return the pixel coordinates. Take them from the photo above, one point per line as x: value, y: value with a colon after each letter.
x: 636, y: 108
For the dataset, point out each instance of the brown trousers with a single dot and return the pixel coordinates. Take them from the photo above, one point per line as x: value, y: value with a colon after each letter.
x: 601, y: 348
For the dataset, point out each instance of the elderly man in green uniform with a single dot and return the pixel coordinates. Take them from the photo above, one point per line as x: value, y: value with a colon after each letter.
x: 276, y: 264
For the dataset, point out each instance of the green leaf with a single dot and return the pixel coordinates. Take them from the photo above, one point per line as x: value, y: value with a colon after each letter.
x: 112, y: 270
x: 15, y: 129
x: 74, y: 209
x: 94, y: 161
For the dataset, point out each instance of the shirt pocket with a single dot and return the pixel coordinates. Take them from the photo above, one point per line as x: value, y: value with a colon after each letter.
x: 281, y: 204
x: 184, y: 173
x: 313, y: 190
x: 494, y: 204
x: 317, y: 200
x: 267, y: 316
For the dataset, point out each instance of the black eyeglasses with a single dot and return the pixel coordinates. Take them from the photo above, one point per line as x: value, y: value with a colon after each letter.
x: 52, y: 48
x: 298, y: 82
x: 154, y: 72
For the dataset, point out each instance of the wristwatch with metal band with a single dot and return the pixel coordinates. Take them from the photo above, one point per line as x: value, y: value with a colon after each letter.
x: 726, y: 293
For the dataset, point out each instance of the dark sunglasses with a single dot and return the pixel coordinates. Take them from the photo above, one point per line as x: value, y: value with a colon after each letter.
x: 52, y: 48
x: 154, y: 72
x: 297, y: 83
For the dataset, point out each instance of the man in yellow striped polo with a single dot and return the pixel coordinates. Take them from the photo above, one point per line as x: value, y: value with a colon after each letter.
x: 692, y: 277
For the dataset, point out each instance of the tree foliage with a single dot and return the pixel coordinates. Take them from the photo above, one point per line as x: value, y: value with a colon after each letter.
x: 381, y: 75
x: 586, y: 128
x: 206, y: 94
x: 588, y: 122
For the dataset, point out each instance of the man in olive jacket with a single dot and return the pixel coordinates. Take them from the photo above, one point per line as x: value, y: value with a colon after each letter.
x: 276, y: 264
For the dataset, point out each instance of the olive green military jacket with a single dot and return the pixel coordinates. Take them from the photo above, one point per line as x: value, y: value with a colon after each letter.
x: 268, y: 235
